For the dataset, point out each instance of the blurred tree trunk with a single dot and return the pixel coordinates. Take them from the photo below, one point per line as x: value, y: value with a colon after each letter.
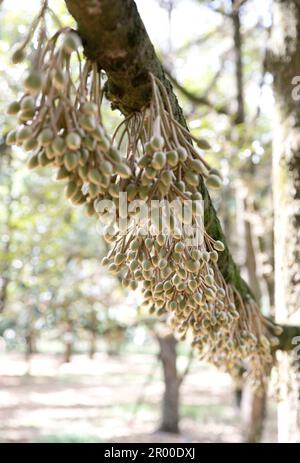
x: 268, y: 277
x: 93, y: 334
x: 93, y: 344
x: 30, y: 347
x: 6, y: 163
x: 253, y: 413
x: 170, y: 401
x: 30, y: 333
x: 5, y: 279
x: 68, y: 352
x: 253, y: 405
x: 237, y: 41
x: 251, y: 255
x: 284, y: 63
x: 68, y: 341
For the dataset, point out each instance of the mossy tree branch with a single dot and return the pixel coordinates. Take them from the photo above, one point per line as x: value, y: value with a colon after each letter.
x: 115, y: 37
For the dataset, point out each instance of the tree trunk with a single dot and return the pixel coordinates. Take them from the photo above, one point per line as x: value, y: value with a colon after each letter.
x: 237, y: 40
x: 170, y: 402
x: 93, y: 344
x: 93, y: 333
x: 251, y: 253
x: 68, y: 342
x: 30, y: 345
x: 6, y: 163
x: 284, y: 63
x: 253, y: 413
x: 252, y: 404
x: 269, y: 276
x: 30, y: 334
x: 68, y: 352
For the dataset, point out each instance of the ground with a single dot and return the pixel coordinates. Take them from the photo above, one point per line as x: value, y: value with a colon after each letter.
x: 94, y: 401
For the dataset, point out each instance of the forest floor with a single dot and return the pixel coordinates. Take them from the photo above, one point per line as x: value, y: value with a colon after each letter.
x: 94, y: 401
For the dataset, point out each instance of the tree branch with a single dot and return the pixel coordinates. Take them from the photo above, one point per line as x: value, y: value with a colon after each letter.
x: 114, y: 36
x: 237, y: 39
x: 197, y: 99
x: 199, y: 40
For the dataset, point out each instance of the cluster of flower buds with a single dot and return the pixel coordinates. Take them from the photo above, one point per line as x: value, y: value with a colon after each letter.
x: 179, y: 269
x: 152, y: 158
x: 60, y: 122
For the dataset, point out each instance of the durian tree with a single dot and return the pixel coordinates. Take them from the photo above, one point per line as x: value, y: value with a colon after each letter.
x: 151, y: 156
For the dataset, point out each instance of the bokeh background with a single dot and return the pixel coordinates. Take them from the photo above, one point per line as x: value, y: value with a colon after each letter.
x: 80, y: 360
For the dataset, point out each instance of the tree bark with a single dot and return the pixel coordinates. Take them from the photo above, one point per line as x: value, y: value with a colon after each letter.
x: 284, y: 63
x: 170, y: 401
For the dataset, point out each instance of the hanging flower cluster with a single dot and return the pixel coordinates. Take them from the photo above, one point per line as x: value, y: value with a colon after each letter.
x: 157, y: 163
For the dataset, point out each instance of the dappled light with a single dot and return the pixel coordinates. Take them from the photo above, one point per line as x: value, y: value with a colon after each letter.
x: 92, y: 400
